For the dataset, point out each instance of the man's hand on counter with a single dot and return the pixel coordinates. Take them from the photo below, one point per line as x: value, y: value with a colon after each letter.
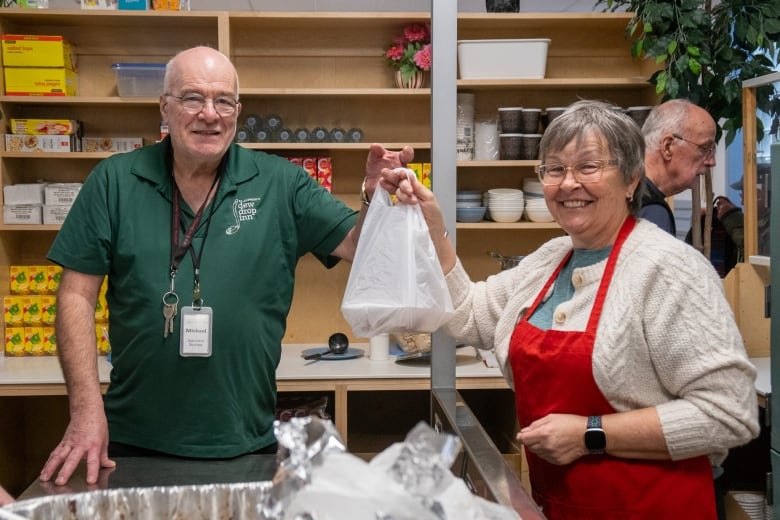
x: 85, y: 439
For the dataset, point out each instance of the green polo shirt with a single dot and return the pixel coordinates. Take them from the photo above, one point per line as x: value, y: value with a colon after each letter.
x: 268, y: 214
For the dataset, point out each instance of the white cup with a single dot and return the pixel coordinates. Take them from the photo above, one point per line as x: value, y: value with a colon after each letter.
x: 379, y: 347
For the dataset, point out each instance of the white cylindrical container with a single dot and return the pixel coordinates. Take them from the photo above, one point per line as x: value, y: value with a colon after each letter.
x: 379, y: 347
x: 486, y: 141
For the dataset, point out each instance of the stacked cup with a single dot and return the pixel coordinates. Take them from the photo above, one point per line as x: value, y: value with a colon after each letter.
x: 486, y: 140
x: 465, y: 127
x: 510, y: 138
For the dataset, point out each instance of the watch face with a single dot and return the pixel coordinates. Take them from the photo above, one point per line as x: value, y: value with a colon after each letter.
x: 595, y: 440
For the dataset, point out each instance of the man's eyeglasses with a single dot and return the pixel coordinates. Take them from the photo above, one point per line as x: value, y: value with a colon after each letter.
x: 195, y: 103
x: 584, y: 172
x: 708, y: 150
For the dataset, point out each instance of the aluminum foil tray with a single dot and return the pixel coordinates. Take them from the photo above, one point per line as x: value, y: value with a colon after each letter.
x: 207, y: 502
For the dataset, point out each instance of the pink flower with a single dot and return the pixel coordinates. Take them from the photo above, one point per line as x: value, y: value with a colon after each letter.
x: 411, y: 52
x: 422, y: 58
x: 394, y: 53
x: 416, y: 33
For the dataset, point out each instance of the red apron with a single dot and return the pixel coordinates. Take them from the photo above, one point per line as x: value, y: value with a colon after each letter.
x: 553, y: 373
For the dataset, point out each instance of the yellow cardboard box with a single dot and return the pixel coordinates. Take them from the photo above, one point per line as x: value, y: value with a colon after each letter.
x: 101, y: 334
x: 48, y: 309
x: 38, y: 275
x: 14, y: 341
x: 32, y: 311
x: 37, y: 50
x: 32, y: 81
x: 20, y: 283
x: 14, y: 311
x: 33, y: 341
x: 49, y: 341
x: 53, y: 275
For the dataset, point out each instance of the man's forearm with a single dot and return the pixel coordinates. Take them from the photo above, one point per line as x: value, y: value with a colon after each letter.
x: 77, y: 349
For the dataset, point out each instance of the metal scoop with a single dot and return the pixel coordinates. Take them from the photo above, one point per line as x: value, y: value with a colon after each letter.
x: 337, y: 344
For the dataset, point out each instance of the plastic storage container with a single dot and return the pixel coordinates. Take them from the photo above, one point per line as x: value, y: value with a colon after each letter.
x: 139, y: 79
x: 502, y: 59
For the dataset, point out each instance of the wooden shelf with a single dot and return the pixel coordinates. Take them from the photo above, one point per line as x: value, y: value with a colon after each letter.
x: 506, y: 225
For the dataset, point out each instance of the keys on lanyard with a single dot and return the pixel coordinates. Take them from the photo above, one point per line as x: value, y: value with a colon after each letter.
x: 170, y: 308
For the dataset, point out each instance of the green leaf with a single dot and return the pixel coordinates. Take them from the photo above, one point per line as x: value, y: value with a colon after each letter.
x: 694, y: 66
x: 648, y: 28
x: 693, y: 51
x: 671, y: 47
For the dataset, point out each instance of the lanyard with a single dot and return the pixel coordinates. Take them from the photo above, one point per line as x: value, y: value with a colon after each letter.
x: 178, y: 250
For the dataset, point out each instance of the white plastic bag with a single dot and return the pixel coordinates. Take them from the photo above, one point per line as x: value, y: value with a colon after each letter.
x: 396, y: 283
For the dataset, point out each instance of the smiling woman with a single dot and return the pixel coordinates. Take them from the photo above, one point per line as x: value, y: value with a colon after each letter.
x: 585, y: 322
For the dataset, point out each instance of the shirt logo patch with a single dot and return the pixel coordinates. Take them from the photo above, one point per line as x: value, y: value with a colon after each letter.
x: 243, y: 210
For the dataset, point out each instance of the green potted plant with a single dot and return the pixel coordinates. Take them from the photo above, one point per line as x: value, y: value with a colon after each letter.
x: 705, y: 51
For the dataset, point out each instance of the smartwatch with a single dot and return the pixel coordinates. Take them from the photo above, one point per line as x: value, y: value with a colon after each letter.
x: 595, y: 438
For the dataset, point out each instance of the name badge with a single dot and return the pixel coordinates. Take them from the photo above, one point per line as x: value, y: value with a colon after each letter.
x: 195, y: 334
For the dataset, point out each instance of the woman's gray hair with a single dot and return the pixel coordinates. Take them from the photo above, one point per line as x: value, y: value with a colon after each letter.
x: 622, y: 135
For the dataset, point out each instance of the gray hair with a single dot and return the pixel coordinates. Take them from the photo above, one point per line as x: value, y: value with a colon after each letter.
x: 623, y: 137
x: 664, y: 119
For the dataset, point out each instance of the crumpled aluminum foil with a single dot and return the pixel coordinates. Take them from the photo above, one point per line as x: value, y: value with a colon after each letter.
x: 316, y: 480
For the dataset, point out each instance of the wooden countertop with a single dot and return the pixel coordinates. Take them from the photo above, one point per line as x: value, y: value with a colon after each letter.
x: 43, y: 375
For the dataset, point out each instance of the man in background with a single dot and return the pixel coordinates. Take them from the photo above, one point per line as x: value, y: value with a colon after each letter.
x: 679, y: 147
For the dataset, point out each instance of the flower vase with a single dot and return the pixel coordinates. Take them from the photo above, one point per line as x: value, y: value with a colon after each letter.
x: 416, y: 80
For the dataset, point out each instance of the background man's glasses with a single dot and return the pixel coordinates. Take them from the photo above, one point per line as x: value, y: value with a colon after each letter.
x: 708, y: 150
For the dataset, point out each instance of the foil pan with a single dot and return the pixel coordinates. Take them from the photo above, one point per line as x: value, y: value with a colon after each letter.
x: 207, y: 502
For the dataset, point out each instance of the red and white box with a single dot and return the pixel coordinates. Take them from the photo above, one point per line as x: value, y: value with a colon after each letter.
x: 325, y: 172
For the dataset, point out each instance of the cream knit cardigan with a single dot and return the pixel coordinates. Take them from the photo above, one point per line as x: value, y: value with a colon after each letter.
x: 667, y: 336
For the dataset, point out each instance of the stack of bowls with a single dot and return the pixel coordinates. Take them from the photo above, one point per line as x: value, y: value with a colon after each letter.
x: 468, y: 206
x: 535, y: 206
x: 505, y: 204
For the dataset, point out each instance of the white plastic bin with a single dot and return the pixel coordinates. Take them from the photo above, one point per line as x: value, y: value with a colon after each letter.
x: 502, y: 59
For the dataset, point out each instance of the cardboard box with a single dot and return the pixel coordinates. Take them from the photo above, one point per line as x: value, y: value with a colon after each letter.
x: 40, y: 143
x: 23, y: 214
x: 53, y: 275
x: 27, y: 4
x: 40, y: 81
x: 55, y: 215
x: 99, y: 4
x: 31, y: 307
x: 37, y: 275
x: 110, y: 144
x: 48, y: 309
x: 134, y: 5
x: 310, y: 165
x: 49, y: 341
x: 101, y: 335
x: 13, y: 310
x: 14, y: 341
x: 19, y: 279
x: 45, y: 126
x: 33, y: 341
x: 61, y: 193
x: 37, y: 50
x: 325, y: 172
x: 23, y: 193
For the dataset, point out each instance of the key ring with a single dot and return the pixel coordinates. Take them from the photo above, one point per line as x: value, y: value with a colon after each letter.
x: 170, y: 298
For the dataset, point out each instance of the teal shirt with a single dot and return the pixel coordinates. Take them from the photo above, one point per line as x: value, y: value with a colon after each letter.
x: 563, y: 289
x: 268, y: 214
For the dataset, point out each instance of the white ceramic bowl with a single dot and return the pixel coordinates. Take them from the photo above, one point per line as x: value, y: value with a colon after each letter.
x: 499, y: 59
x: 500, y: 215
